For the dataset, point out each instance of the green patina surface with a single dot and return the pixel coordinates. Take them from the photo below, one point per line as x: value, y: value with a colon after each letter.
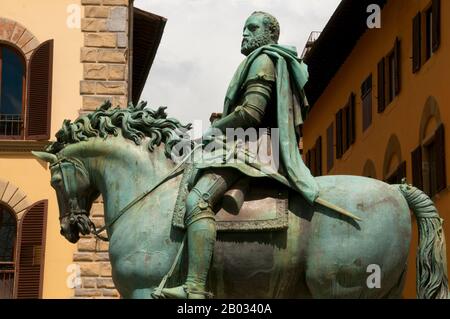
x: 321, y: 255
x: 125, y: 155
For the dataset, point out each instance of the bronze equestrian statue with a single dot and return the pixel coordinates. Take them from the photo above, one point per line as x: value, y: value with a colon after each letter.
x: 312, y: 249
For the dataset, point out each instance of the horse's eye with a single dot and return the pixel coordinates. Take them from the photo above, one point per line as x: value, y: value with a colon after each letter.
x: 56, y: 180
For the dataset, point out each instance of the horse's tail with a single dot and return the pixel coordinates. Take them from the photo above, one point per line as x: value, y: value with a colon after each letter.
x: 431, y: 263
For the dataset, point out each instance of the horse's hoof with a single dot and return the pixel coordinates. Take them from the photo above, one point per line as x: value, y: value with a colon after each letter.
x: 182, y: 292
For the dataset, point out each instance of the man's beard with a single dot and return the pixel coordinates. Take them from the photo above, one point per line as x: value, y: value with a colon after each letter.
x: 250, y: 44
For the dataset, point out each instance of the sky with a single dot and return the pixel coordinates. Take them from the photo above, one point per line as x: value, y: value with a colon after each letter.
x: 200, y: 49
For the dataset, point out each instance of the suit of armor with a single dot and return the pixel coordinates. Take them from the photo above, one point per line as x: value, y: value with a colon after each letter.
x: 253, y: 110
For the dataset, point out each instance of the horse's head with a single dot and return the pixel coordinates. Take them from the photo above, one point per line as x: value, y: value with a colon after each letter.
x: 73, y: 164
x: 75, y: 194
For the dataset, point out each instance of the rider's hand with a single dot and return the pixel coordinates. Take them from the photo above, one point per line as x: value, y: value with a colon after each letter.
x: 214, y: 117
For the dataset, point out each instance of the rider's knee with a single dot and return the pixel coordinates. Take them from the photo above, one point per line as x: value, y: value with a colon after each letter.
x: 192, y: 201
x: 197, y: 206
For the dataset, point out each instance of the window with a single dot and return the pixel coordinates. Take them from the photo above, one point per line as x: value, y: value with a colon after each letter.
x: 397, y: 176
x: 330, y: 147
x: 369, y: 169
x: 22, y: 257
x: 25, y: 93
x: 430, y: 167
x: 389, y: 72
x: 314, y: 158
x: 12, y: 96
x: 345, y: 127
x: 366, y: 97
x: 426, y: 34
x: 428, y: 162
x: 8, y: 231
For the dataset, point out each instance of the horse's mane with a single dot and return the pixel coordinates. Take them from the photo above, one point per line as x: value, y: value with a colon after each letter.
x: 135, y: 123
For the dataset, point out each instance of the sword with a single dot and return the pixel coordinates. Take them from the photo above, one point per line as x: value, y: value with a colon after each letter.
x: 342, y: 211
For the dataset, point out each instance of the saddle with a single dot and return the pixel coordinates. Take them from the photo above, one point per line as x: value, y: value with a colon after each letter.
x: 250, y: 205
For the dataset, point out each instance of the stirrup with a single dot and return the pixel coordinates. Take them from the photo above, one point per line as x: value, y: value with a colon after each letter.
x: 207, y: 294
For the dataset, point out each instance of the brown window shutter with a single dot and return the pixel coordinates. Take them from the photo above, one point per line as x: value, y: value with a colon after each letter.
x: 352, y: 119
x: 416, y: 157
x: 40, y: 92
x: 417, y: 42
x: 366, y: 99
x: 441, y: 178
x: 381, y: 86
x: 339, y: 134
x: 330, y: 144
x: 308, y: 159
x: 345, y: 129
x: 397, y: 57
x: 313, y: 162
x: 436, y: 24
x: 318, y: 149
x: 30, y: 266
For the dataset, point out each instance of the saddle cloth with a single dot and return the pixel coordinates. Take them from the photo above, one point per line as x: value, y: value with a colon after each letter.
x: 265, y: 207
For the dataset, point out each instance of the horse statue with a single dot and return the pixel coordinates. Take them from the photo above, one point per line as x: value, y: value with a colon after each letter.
x: 124, y: 155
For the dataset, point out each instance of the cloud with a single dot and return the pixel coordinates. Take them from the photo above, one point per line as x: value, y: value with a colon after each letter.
x: 200, y: 48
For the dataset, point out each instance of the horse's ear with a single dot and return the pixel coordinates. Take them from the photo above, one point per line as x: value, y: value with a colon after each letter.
x: 45, y: 156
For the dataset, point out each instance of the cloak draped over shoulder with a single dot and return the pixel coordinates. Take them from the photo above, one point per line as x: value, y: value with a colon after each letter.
x: 292, y: 107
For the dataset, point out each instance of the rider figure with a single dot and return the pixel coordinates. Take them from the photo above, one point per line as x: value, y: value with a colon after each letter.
x: 266, y: 92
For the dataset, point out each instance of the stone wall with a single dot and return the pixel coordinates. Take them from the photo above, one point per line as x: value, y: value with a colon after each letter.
x: 93, y: 259
x: 105, y: 53
x: 105, y: 58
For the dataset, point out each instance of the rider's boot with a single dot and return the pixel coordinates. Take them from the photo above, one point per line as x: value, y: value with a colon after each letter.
x: 201, y: 236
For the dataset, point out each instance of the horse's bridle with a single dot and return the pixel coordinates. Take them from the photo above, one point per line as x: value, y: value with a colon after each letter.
x: 75, y: 213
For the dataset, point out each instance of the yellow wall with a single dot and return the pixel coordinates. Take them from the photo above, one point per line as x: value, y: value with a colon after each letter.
x: 402, y: 116
x: 46, y: 19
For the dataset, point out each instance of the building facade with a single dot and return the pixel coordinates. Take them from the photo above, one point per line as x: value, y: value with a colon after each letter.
x: 380, y: 101
x: 59, y: 59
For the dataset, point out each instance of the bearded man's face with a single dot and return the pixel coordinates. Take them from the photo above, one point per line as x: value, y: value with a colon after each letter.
x: 255, y: 34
